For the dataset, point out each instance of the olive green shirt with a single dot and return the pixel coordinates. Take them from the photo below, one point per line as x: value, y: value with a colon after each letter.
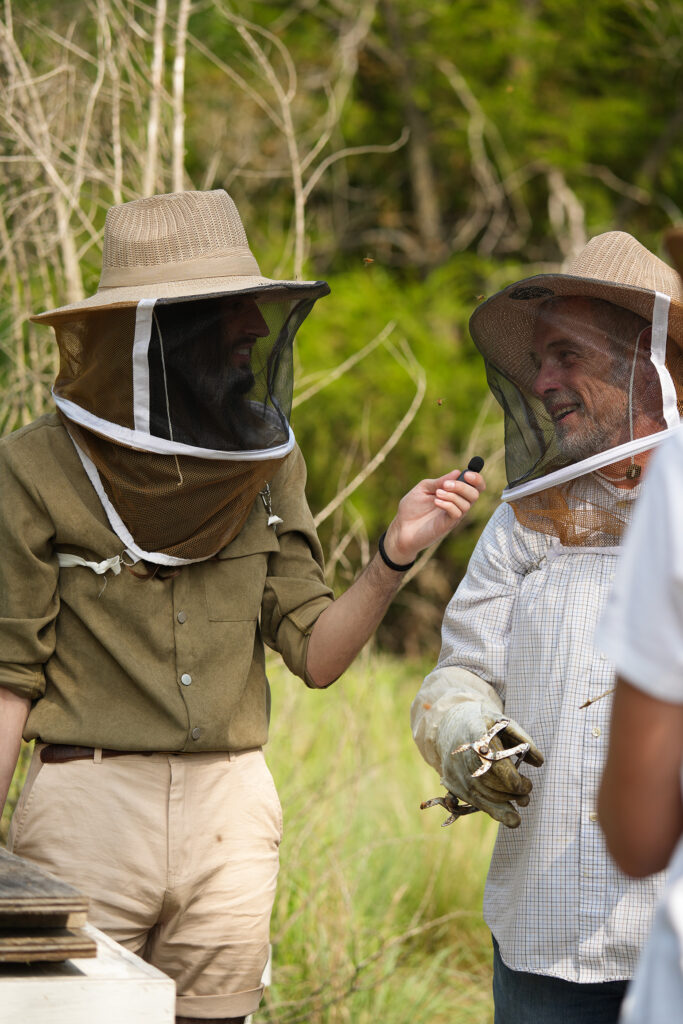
x: 114, y: 661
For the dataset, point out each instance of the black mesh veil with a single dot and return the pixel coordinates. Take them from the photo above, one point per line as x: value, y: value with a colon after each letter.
x: 588, y: 387
x: 180, y: 409
x: 583, y: 382
x: 220, y: 374
x: 591, y: 386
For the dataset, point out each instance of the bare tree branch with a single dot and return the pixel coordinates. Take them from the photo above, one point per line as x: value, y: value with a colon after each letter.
x: 178, y: 170
x: 157, y: 70
x: 419, y: 377
x: 344, y: 367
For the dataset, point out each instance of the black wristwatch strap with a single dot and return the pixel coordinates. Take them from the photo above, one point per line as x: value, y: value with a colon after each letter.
x: 387, y: 561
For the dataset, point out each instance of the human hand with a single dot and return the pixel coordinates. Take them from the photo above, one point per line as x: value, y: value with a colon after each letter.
x: 429, y: 511
x: 497, y: 786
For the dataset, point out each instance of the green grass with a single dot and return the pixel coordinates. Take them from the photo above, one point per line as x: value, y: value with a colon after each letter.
x: 15, y: 789
x: 378, y: 912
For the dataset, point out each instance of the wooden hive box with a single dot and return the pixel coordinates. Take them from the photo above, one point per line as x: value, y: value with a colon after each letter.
x: 41, y: 918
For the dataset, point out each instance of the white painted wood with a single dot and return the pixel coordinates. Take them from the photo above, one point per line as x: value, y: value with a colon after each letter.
x: 115, y: 987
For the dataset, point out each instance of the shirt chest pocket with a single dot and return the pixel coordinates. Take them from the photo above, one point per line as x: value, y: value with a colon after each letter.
x: 234, y: 582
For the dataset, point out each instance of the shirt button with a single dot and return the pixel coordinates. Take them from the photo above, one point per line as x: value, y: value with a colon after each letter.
x: 182, y: 617
x: 596, y: 730
x: 591, y: 817
x: 186, y: 679
x: 196, y: 733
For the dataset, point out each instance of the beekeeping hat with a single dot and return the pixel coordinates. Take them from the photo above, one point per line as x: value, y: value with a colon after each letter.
x: 184, y: 245
x: 175, y: 377
x: 587, y: 365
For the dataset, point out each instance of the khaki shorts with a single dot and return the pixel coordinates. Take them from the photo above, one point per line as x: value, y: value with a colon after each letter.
x: 178, y: 854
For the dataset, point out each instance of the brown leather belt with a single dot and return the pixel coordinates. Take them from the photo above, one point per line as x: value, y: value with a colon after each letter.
x: 58, y: 753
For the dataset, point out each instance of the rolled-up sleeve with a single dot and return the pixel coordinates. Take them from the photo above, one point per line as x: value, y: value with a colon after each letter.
x: 29, y: 599
x: 295, y: 593
x: 472, y: 665
x: 476, y: 623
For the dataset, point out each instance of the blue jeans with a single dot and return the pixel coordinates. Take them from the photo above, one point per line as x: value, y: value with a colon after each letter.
x: 521, y: 998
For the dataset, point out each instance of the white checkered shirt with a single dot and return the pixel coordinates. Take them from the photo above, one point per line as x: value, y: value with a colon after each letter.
x: 523, y: 620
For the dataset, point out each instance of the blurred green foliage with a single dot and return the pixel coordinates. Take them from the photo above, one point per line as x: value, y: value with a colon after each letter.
x: 592, y: 90
x: 360, y: 407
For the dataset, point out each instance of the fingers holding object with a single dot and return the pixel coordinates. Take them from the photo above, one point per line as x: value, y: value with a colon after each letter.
x: 499, y: 794
x: 497, y: 805
x: 505, y: 813
x: 513, y: 734
x: 454, y: 506
x: 504, y: 778
x: 472, y: 478
x: 470, y: 487
x: 501, y: 777
x: 456, y: 497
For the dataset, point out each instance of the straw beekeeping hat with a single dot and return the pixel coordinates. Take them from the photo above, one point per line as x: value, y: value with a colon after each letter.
x: 184, y: 245
x: 613, y: 266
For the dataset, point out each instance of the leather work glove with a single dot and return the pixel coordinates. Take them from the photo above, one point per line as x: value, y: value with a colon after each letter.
x: 495, y: 789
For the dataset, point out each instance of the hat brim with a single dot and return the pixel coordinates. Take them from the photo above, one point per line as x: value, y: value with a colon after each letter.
x: 503, y: 327
x: 182, y: 291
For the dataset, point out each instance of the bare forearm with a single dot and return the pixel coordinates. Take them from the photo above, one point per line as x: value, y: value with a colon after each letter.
x: 426, y: 514
x: 347, y: 624
x: 13, y: 714
x: 639, y: 804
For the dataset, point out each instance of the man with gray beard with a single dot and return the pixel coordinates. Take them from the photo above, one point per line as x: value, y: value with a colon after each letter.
x: 587, y: 366
x: 583, y: 351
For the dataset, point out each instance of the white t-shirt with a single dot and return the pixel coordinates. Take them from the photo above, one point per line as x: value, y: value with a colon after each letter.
x: 641, y: 632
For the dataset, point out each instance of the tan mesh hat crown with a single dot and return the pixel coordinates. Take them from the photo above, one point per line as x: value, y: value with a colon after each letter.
x: 181, y: 245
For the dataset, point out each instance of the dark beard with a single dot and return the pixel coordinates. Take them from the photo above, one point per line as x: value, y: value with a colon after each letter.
x: 240, y: 382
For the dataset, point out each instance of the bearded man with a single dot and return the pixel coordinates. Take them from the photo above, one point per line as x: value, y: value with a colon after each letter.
x: 155, y: 535
x: 587, y: 367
